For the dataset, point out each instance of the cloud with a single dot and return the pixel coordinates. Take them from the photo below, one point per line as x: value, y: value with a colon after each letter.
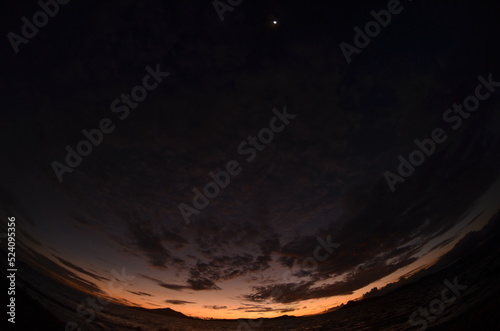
x: 13, y: 206
x: 287, y: 310
x: 149, y: 238
x: 25, y: 234
x: 201, y: 284
x: 195, y: 284
x: 81, y: 270
x: 178, y: 302
x: 305, y: 290
x: 174, y: 287
x: 215, y: 307
x: 216, y: 236
x: 58, y: 272
x: 226, y: 267
x: 141, y: 293
x: 262, y: 309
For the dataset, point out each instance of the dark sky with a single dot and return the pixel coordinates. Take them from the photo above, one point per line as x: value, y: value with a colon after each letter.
x: 319, y: 179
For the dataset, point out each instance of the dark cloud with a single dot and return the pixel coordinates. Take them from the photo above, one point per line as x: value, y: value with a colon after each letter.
x: 82, y: 220
x: 178, y: 302
x: 150, y: 278
x: 13, y: 206
x: 150, y: 240
x: 466, y: 247
x: 54, y: 270
x: 173, y: 237
x: 193, y: 283
x: 215, y: 307
x: 296, y: 292
x: 25, y: 234
x: 250, y: 308
x: 297, y: 250
x: 225, y: 267
x: 201, y: 284
x: 174, y: 287
x: 80, y: 269
x: 287, y: 310
x: 216, y: 235
x: 140, y: 293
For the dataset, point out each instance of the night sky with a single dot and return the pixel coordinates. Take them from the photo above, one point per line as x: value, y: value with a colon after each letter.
x: 302, y: 141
